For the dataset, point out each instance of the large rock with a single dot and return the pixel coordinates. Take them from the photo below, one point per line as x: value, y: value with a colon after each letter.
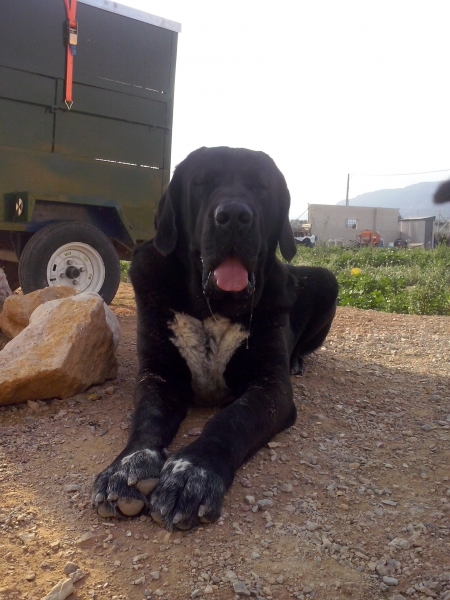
x: 67, y: 347
x: 17, y: 309
x: 5, y: 290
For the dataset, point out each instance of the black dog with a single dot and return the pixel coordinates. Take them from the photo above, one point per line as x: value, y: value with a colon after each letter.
x: 220, y: 322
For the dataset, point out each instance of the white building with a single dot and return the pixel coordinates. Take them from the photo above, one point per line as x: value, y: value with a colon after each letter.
x: 344, y: 223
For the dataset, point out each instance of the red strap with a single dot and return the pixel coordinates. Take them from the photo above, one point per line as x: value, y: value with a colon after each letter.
x: 71, y: 11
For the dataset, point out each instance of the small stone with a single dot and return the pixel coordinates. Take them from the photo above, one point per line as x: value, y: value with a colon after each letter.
x: 71, y: 487
x: 428, y: 592
x: 250, y: 499
x: 154, y: 574
x: 110, y: 390
x: 276, y: 569
x: 85, y: 540
x: 287, y: 487
x: 208, y: 589
x: 77, y: 575
x: 33, y: 405
x: 159, y: 593
x: 70, y: 568
x: 27, y: 537
x: 240, y: 588
x: 140, y: 557
x: 264, y: 503
x: 30, y: 576
x: 390, y: 580
x: 311, y: 526
x: 195, y: 431
x: 354, y: 466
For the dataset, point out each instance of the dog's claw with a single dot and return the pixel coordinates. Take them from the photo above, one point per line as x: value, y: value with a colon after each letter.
x: 112, y: 497
x: 156, y: 516
x: 99, y: 498
x: 177, y: 518
x: 132, y: 480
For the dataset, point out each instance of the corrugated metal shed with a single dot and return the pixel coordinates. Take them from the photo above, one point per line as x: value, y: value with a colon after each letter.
x: 418, y: 230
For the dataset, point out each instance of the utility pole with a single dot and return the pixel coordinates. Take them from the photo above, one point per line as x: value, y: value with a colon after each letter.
x: 348, y: 185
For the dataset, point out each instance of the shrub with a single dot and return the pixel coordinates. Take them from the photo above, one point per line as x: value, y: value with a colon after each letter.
x: 124, y: 268
x: 401, y: 281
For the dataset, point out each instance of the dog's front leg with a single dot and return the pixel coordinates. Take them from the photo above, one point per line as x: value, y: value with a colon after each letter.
x: 124, y: 487
x: 194, y: 481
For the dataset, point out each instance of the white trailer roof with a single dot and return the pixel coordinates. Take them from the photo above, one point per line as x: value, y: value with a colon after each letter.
x: 133, y: 13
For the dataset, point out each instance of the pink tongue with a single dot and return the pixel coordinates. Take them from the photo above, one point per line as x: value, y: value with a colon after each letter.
x: 231, y: 275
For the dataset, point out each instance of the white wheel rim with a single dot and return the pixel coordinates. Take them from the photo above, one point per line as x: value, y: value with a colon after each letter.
x: 78, y: 266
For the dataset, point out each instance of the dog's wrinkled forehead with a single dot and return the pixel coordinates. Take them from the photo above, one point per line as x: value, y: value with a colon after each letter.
x: 219, y: 172
x: 230, y: 171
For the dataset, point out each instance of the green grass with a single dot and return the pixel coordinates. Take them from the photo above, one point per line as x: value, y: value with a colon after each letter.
x: 415, y: 282
x: 124, y: 266
x: 399, y: 281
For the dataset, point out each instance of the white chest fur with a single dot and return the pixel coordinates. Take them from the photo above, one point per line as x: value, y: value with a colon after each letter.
x: 207, y: 346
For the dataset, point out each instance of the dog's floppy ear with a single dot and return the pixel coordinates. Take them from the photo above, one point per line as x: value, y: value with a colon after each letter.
x: 166, y: 235
x: 287, y: 243
x: 286, y: 239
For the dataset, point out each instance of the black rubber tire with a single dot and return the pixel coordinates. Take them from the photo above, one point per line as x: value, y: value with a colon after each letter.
x: 45, y: 242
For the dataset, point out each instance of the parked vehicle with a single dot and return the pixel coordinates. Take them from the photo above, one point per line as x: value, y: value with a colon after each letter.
x: 304, y: 237
x: 83, y: 158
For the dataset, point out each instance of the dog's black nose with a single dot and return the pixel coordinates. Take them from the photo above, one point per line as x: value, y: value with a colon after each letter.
x: 233, y: 215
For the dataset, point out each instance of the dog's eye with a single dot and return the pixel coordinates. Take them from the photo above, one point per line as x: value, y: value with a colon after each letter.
x: 258, y: 187
x: 203, y: 182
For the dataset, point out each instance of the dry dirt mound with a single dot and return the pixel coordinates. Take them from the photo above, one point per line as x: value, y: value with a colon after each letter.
x: 351, y: 502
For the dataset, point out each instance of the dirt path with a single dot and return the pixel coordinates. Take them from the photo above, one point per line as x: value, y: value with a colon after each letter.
x: 351, y: 502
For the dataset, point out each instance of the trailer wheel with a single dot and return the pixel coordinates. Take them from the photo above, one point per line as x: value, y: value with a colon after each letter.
x: 73, y: 254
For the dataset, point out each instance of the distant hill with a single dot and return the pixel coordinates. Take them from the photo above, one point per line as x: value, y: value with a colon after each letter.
x: 413, y: 201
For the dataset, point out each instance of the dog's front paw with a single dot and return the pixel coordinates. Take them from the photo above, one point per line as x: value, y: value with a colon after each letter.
x: 187, y: 495
x: 123, y: 488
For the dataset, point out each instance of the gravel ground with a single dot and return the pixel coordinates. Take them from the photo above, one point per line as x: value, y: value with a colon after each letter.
x: 351, y: 502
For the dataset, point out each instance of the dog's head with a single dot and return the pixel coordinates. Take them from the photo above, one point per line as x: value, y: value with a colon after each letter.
x: 226, y: 211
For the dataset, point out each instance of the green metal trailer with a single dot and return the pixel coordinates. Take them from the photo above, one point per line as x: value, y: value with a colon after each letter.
x: 79, y: 186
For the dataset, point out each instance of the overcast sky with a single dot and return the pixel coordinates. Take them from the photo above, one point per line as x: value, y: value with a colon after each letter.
x: 326, y: 87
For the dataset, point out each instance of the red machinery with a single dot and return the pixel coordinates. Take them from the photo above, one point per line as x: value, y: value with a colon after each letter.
x: 368, y: 238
